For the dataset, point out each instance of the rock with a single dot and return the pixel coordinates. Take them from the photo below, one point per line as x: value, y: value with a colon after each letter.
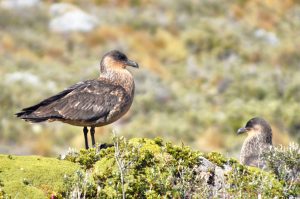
x: 269, y: 37
x: 59, y: 9
x: 214, y: 176
x: 69, y: 18
x: 18, y: 4
x: 24, y: 77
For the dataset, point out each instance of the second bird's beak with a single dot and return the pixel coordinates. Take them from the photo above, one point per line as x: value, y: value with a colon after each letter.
x: 242, y: 130
x: 132, y: 63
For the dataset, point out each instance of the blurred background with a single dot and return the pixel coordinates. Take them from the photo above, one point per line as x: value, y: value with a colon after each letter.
x: 206, y: 68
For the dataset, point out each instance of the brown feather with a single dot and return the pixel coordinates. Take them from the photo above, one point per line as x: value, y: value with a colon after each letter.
x: 89, y: 103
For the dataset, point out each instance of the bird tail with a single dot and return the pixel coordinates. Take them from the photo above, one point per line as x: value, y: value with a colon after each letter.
x: 34, y: 118
x: 28, y: 116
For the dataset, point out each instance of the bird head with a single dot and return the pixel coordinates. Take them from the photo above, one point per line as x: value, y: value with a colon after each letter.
x: 257, y: 126
x: 116, y: 60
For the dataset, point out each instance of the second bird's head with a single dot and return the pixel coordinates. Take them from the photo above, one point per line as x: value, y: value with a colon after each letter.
x: 116, y: 60
x: 257, y: 127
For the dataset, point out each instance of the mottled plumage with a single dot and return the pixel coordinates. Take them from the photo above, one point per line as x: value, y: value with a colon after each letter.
x: 90, y: 103
x: 259, y: 139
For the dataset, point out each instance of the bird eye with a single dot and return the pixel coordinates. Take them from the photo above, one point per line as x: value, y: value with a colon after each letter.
x: 120, y: 57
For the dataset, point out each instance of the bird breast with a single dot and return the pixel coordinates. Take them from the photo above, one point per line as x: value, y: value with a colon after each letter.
x: 253, y: 147
x: 124, y: 79
x: 121, y: 77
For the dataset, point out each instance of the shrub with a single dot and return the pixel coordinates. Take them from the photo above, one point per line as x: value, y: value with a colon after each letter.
x: 284, y: 162
x: 145, y: 168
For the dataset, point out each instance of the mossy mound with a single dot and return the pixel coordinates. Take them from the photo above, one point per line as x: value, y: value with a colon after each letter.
x: 145, y: 168
x: 33, y: 176
x: 138, y: 168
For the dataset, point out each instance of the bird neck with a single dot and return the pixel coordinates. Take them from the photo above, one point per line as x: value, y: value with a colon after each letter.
x: 261, y: 137
x: 120, y: 77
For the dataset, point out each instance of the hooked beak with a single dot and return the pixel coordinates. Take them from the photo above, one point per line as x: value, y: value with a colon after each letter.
x: 132, y: 63
x: 242, y: 130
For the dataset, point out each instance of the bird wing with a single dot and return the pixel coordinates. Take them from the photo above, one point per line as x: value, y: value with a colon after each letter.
x: 26, y: 112
x: 88, y: 101
x: 91, y: 102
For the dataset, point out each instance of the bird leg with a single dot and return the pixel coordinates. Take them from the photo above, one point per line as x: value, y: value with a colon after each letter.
x: 92, y: 130
x: 85, y: 132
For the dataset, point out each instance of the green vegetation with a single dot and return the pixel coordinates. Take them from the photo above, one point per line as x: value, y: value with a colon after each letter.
x: 250, y: 182
x: 33, y: 176
x: 144, y: 168
x: 86, y: 158
x: 147, y: 170
x: 284, y: 162
x: 216, y: 158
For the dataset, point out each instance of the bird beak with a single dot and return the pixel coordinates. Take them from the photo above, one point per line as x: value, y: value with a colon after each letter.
x: 242, y: 130
x: 132, y: 63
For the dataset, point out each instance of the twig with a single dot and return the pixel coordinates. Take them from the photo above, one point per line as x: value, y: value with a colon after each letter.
x: 119, y: 163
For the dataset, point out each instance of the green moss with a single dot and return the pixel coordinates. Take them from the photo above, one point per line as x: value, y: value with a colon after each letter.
x: 232, y: 161
x: 2, y: 193
x: 150, y: 168
x: 105, y: 166
x: 145, y: 144
x: 250, y: 181
x: 153, y: 169
x: 217, y: 158
x: 139, y: 168
x: 33, y: 176
x: 85, y: 157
